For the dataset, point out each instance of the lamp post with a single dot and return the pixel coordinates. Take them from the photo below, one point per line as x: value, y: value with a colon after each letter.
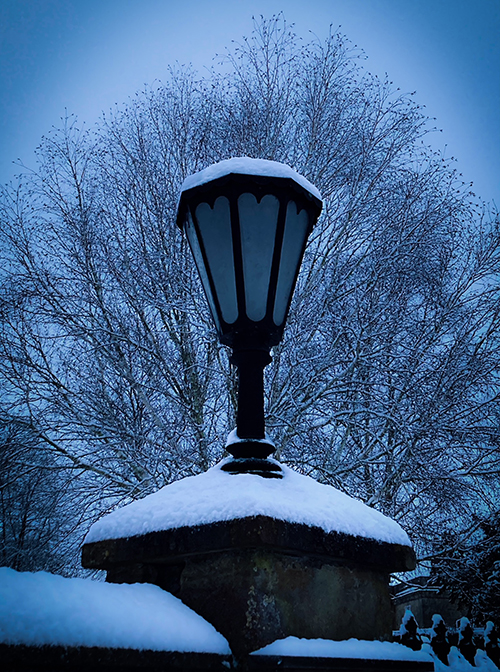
x: 247, y: 222
x: 260, y: 564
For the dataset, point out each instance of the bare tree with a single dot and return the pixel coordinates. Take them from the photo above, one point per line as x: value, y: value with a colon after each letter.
x: 386, y: 384
x: 37, y: 530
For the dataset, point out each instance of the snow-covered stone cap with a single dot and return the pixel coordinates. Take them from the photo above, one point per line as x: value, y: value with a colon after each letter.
x: 348, y: 648
x: 244, y: 165
x: 217, y: 496
x: 38, y: 609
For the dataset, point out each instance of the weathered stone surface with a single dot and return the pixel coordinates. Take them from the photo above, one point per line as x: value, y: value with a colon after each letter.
x: 424, y: 601
x: 244, y: 533
x: 256, y: 596
x: 18, y: 658
x: 259, y: 579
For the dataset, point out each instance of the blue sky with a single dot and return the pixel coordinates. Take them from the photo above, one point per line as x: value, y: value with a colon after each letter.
x: 85, y: 56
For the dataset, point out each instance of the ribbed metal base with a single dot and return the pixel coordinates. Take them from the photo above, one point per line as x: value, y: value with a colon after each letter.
x: 253, y: 465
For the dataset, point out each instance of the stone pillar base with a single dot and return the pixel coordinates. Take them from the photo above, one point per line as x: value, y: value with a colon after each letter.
x: 259, y: 579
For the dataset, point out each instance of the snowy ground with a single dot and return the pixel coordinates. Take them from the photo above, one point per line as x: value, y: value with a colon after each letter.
x: 217, y: 495
x: 40, y: 608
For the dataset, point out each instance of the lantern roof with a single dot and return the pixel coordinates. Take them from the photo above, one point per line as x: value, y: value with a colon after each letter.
x: 244, y: 165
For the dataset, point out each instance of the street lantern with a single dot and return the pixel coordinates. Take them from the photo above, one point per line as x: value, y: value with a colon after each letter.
x: 247, y: 222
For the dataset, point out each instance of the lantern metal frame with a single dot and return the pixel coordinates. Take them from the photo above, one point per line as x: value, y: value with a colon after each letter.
x: 250, y: 340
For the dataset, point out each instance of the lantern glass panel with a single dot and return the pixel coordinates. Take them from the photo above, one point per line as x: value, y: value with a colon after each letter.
x: 215, y: 230
x: 258, y: 222
x: 198, y: 258
x: 296, y: 229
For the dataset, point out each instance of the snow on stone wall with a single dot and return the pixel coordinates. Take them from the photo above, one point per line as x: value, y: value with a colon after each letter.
x: 40, y: 608
x: 219, y: 496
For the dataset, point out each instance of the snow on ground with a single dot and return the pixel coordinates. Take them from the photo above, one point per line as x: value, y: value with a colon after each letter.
x: 243, y: 165
x: 40, y: 608
x: 350, y: 648
x: 217, y: 496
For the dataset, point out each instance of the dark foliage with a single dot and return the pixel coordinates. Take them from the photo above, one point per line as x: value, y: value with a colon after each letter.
x: 469, y: 568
